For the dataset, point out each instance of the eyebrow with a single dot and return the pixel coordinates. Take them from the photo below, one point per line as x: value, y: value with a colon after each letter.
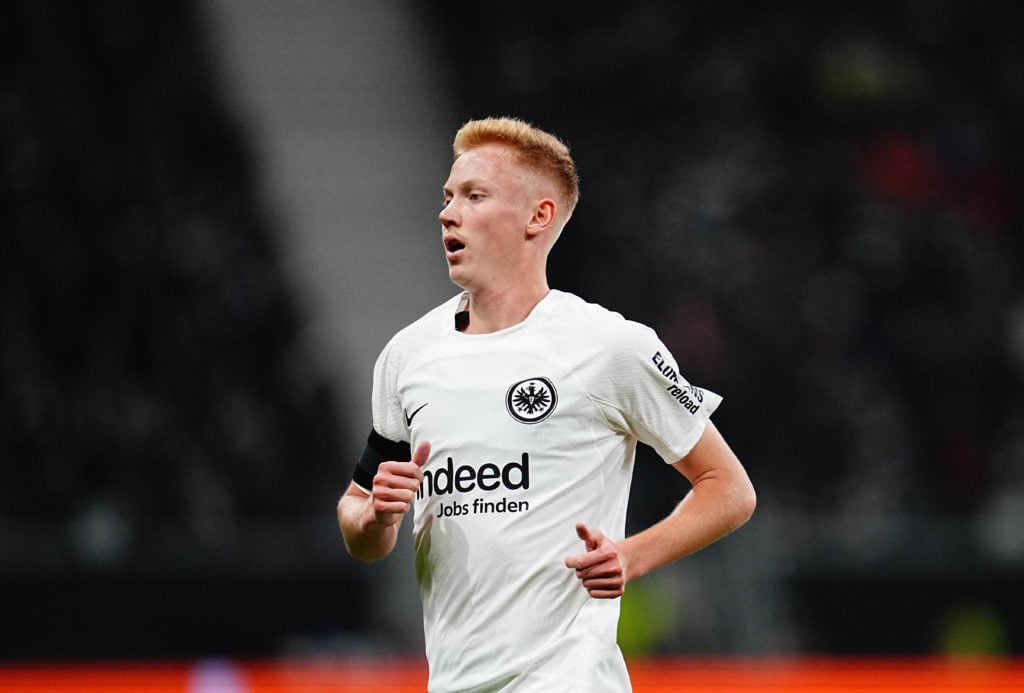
x: 466, y: 185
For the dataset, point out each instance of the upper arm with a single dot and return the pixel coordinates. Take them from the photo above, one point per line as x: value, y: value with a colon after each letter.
x: 710, y: 456
x: 711, y: 459
x: 643, y: 394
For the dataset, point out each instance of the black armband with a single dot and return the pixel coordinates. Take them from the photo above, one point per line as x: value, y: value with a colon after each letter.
x: 378, y: 449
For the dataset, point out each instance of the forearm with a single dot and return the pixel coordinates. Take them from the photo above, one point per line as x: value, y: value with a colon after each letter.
x: 715, y: 506
x: 366, y: 538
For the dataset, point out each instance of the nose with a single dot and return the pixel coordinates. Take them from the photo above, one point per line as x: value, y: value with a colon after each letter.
x: 447, y: 215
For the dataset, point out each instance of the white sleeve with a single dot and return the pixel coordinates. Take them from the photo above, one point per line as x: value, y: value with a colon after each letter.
x: 642, y: 392
x: 388, y: 419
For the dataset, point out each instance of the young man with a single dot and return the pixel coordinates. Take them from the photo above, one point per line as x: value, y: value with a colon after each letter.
x: 507, y: 419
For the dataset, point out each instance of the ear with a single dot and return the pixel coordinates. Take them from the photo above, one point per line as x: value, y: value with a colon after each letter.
x: 542, y: 219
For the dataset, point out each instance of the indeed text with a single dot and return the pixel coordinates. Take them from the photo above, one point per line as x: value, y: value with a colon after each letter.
x: 465, y: 478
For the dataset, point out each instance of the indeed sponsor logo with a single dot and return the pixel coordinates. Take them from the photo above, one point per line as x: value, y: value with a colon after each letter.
x: 482, y: 507
x: 465, y: 478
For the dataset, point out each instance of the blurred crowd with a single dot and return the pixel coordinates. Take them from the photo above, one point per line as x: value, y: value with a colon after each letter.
x: 150, y: 360
x: 816, y: 207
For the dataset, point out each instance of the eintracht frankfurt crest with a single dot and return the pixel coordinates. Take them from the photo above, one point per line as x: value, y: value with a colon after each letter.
x: 532, y: 400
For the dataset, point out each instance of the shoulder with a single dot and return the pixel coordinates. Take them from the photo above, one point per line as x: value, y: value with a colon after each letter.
x: 435, y: 324
x: 585, y: 321
x: 432, y: 327
x: 600, y: 346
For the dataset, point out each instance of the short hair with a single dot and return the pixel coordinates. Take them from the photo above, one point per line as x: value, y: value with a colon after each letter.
x: 537, y: 150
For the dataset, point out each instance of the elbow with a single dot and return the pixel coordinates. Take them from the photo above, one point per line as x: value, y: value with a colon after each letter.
x: 364, y: 540
x: 362, y: 549
x: 366, y: 557
x: 350, y: 536
x: 746, y: 503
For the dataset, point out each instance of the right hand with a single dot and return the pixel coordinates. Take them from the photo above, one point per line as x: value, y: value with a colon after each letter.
x: 395, y: 485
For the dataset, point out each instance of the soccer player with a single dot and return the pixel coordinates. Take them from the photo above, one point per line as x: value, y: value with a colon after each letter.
x: 507, y: 419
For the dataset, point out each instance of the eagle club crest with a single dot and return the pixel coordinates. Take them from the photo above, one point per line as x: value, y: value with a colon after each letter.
x: 532, y: 400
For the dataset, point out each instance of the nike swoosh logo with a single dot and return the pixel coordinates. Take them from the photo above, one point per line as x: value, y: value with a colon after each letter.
x: 408, y: 417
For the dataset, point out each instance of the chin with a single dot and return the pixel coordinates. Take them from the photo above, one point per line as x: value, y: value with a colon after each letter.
x: 460, y: 279
x: 456, y: 277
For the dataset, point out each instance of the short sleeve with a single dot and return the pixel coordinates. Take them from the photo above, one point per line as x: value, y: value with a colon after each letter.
x: 388, y: 419
x: 642, y: 391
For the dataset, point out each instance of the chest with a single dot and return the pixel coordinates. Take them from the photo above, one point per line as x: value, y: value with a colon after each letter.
x: 507, y: 400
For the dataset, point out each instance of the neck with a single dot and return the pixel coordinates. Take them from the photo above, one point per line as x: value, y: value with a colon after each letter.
x: 491, y: 311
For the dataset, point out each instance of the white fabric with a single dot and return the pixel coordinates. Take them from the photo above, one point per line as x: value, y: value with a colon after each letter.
x: 510, y: 475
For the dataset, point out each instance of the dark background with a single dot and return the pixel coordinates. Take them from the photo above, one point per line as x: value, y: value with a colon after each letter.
x: 818, y: 210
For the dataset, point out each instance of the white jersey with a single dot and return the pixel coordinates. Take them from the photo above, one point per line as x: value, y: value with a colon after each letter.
x: 532, y: 430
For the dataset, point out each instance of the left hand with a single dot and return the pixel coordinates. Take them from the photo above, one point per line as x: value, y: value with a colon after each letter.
x: 602, y: 569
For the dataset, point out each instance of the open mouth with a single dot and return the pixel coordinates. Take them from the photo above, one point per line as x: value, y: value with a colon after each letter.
x: 453, y: 245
